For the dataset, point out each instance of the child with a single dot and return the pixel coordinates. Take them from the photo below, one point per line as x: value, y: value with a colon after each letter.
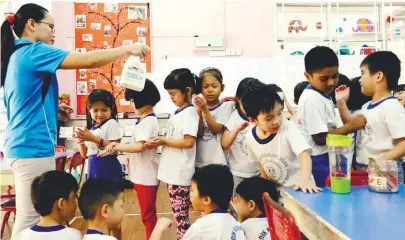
x: 102, y: 129
x: 383, y: 138
x: 276, y: 144
x: 298, y: 90
x: 143, y: 165
x: 211, y: 192
x: 101, y: 202
x: 177, y: 162
x: 316, y: 114
x: 251, y: 208
x: 213, y: 116
x: 354, y: 99
x: 54, y: 196
x: 399, y: 93
x: 234, y: 137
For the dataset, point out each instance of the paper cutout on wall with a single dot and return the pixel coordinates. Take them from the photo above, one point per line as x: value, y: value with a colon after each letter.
x: 297, y: 53
x: 296, y: 25
x: 339, y: 30
x: 364, y: 25
x: 367, y: 50
x: 344, y: 50
x: 103, y: 26
x: 319, y: 25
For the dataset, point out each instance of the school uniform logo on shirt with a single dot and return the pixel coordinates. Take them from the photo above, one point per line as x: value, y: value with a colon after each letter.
x: 276, y: 167
x: 170, y: 131
x: 365, y: 137
x: 240, y: 141
x: 208, y: 135
x: 264, y: 233
x: 236, y: 229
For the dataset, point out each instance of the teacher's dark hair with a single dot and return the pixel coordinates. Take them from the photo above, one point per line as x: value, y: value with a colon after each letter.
x: 26, y: 12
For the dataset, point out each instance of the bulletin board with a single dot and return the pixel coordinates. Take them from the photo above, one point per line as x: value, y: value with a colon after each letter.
x: 103, y: 26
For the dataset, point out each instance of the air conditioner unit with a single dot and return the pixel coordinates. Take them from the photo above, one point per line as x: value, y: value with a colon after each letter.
x: 214, y: 43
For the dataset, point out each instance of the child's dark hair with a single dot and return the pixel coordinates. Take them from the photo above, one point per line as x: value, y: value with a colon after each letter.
x: 251, y: 189
x: 148, y: 96
x: 356, y: 98
x: 26, y: 12
x: 298, y: 90
x: 261, y: 99
x: 182, y: 79
x: 386, y: 62
x: 104, y: 96
x: 95, y: 193
x: 215, y: 72
x: 215, y: 181
x: 320, y: 57
x: 243, y: 85
x: 49, y: 187
x: 400, y: 88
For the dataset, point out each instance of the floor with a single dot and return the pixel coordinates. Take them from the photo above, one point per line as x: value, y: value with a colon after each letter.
x: 132, y: 227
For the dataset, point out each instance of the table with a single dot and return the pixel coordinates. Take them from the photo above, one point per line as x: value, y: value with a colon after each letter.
x: 7, y: 176
x: 362, y: 214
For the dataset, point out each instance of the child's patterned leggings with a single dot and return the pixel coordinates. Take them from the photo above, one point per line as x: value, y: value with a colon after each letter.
x: 180, y: 199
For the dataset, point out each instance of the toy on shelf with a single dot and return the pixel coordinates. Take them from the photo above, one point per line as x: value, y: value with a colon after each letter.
x: 398, y: 32
x: 344, y: 50
x: 367, y: 50
x: 64, y: 99
x: 297, y: 53
x: 364, y: 25
x: 296, y: 25
x: 319, y: 25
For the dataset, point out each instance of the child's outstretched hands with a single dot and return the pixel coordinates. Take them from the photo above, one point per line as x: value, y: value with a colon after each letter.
x: 242, y: 127
x: 307, y: 186
x: 200, y: 102
x: 109, y: 150
x: 358, y: 122
x: 342, y: 93
x: 84, y: 135
x: 154, y: 143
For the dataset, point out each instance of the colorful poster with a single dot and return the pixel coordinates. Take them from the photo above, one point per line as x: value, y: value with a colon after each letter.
x: 103, y: 26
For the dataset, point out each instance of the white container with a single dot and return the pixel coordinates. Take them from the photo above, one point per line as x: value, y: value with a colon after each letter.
x: 133, y: 74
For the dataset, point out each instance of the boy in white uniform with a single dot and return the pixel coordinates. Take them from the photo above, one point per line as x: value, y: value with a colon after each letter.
x: 278, y: 146
x: 250, y: 206
x: 383, y: 138
x: 101, y: 202
x: 211, y: 192
x: 316, y: 116
x: 60, y: 189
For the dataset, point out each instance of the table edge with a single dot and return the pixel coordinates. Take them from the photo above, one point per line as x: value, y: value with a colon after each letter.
x: 319, y: 218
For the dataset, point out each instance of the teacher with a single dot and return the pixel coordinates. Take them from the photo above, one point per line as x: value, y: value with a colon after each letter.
x: 28, y: 66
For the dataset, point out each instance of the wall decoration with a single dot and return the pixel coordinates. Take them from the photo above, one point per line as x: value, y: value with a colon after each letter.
x: 363, y: 25
x: 103, y: 26
x: 297, y: 53
x: 344, y: 50
x: 398, y: 32
x: 339, y: 30
x: 296, y: 25
x: 319, y: 25
x: 64, y: 99
x: 367, y: 50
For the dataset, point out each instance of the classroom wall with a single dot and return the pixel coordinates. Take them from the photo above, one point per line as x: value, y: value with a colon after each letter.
x: 249, y: 25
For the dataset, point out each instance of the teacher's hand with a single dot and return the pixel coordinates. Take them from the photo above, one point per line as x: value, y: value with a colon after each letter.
x: 138, y: 49
x: 64, y: 113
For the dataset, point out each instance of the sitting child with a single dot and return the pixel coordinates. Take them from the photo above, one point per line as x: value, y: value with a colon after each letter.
x: 211, y: 192
x: 54, y: 196
x: 250, y: 206
x: 101, y: 203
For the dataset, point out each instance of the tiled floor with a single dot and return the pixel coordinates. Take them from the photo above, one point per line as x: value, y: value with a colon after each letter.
x: 132, y: 226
